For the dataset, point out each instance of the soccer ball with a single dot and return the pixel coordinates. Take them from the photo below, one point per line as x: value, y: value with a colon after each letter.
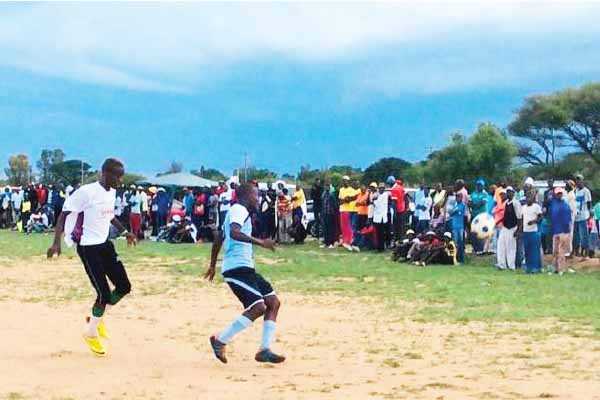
x: 483, y: 226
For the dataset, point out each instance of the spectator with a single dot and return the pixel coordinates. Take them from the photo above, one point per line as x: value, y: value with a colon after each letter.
x: 284, y: 216
x: 532, y: 215
x: 423, y: 203
x: 400, y: 209
x: 583, y: 197
x: 438, y: 196
x: 347, y: 198
x: 225, y: 201
x: 330, y: 215
x: 380, y: 215
x: 560, y: 215
x: 17, y: 201
x: 362, y: 208
x: 507, y: 241
x: 135, y: 213
x: 316, y: 194
x: 569, y: 196
x: 298, y: 204
x: 478, y: 205
x: 458, y: 226
x: 189, y: 201
x: 163, y: 206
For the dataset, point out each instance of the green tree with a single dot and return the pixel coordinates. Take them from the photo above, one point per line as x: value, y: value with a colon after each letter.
x: 451, y: 162
x: 384, y: 167
x: 209, y: 173
x: 48, y: 158
x: 491, y: 153
x: 174, y: 168
x: 259, y: 174
x: 131, y: 179
x: 18, y: 172
x: 581, y: 117
x: 71, y: 171
x: 538, y: 130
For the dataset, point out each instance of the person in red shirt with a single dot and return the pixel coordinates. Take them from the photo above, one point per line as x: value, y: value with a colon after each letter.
x: 397, y: 194
x: 42, y: 195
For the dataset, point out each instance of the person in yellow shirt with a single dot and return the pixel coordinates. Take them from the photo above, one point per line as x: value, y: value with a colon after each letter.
x: 347, y: 197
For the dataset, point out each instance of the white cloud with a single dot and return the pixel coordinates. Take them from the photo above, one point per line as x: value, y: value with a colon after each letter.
x: 174, y: 47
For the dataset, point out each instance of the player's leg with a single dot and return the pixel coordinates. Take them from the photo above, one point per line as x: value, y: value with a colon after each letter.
x: 243, y: 284
x: 116, y: 273
x: 115, y: 270
x: 272, y: 304
x: 94, y: 267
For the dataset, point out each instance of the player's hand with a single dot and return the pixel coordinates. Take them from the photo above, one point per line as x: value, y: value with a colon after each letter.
x: 268, y: 244
x: 131, y: 239
x: 532, y: 223
x: 54, y: 249
x: 210, y: 273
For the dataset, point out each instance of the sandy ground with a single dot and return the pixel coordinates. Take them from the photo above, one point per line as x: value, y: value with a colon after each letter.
x: 337, y: 348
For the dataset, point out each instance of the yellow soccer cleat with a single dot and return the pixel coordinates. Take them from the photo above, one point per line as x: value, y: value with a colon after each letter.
x: 102, y: 332
x: 95, y: 345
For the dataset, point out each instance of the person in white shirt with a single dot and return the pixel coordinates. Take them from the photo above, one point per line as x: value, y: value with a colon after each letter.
x: 224, y: 205
x: 532, y: 215
x: 511, y: 228
x: 583, y: 198
x: 380, y: 215
x: 423, y: 210
x: 86, y: 218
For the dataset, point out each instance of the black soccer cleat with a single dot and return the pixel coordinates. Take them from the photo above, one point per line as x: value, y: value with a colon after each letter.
x: 267, y: 356
x: 218, y: 349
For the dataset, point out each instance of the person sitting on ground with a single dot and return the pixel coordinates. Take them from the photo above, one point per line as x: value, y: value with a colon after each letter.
x: 365, y: 238
x: 420, y: 246
x: 38, y: 222
x: 401, y: 250
x: 441, y: 253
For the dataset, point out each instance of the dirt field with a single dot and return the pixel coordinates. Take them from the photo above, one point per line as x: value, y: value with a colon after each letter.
x: 337, y: 348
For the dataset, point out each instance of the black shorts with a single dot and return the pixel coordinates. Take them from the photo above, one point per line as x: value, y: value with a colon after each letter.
x: 101, y: 263
x: 248, y: 286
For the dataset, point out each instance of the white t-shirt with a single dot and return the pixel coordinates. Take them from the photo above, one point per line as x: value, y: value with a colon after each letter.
x: 237, y: 254
x: 582, y: 197
x: 530, y: 213
x: 380, y: 208
x: 135, y: 201
x: 98, y: 207
x: 225, y: 200
x: 424, y: 215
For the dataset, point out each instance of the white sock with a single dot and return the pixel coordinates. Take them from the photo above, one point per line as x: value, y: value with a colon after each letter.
x: 268, y: 334
x: 92, y: 326
x: 238, y: 325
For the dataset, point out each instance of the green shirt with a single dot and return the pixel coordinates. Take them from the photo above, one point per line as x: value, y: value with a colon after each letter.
x: 597, y: 210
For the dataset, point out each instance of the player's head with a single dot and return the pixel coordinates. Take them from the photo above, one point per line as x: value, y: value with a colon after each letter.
x: 112, y: 172
x: 248, y: 195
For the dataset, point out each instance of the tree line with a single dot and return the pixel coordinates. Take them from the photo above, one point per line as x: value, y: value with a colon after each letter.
x: 551, y: 135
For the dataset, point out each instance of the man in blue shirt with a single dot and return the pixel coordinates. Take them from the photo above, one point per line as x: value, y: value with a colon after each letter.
x: 560, y: 217
x: 255, y: 292
x: 458, y: 226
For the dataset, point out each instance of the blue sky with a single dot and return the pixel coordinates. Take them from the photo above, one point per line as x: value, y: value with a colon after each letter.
x: 288, y: 84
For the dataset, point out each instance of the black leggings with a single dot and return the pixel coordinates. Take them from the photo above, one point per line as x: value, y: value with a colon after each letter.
x: 101, y: 262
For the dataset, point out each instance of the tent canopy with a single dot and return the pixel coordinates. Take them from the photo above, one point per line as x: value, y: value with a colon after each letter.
x: 178, y: 179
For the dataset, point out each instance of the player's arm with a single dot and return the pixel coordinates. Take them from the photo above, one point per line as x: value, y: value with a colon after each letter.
x: 59, y: 229
x: 237, y: 234
x: 214, y: 254
x: 131, y: 239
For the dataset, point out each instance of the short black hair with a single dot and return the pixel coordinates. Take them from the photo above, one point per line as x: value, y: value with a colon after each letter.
x: 245, y: 190
x: 110, y: 164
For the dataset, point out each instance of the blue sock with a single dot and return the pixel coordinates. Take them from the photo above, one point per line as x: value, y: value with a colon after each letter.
x: 238, y: 325
x: 268, y: 334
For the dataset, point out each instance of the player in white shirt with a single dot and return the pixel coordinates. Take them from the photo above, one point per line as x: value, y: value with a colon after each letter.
x: 87, y: 215
x: 254, y: 292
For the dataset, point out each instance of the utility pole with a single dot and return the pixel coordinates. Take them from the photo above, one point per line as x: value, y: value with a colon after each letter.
x: 245, y: 167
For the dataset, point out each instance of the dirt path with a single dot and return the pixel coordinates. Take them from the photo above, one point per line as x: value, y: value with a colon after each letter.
x: 338, y: 348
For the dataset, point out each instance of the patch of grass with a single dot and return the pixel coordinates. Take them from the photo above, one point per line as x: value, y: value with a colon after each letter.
x: 390, y: 362
x: 473, y: 292
x: 15, y: 396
